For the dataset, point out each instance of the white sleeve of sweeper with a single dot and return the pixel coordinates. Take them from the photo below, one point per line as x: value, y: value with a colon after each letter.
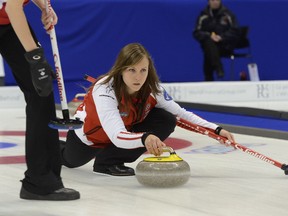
x: 111, y: 121
x: 165, y: 101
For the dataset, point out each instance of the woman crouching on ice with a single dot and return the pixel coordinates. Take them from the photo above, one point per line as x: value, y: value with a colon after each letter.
x: 125, y: 113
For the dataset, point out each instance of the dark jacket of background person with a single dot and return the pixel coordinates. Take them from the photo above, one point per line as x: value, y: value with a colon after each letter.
x: 221, y: 21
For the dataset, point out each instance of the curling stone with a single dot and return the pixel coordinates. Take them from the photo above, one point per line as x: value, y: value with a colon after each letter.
x: 163, y: 171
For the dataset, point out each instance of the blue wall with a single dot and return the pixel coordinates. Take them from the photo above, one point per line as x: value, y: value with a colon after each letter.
x: 91, y: 33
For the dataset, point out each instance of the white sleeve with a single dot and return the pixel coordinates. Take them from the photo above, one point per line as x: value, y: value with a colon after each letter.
x: 165, y: 101
x: 111, y: 121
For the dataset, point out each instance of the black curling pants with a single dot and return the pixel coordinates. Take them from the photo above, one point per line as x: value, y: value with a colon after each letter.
x: 41, y: 143
x: 75, y: 153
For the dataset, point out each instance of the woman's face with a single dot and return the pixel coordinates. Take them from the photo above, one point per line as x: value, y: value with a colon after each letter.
x: 214, y: 4
x: 135, y: 75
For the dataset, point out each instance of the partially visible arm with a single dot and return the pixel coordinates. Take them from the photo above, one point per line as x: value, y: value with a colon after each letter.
x: 14, y: 9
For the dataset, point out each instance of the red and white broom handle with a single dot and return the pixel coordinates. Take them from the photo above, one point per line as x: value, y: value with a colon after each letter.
x: 198, y: 129
x: 58, y: 68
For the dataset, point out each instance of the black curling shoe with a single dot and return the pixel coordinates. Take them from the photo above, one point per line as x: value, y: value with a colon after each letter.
x: 114, y: 170
x: 61, y: 194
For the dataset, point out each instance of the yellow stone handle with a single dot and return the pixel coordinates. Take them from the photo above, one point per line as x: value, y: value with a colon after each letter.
x: 171, y: 158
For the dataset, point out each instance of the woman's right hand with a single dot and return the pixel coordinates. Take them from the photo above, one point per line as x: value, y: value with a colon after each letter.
x: 154, y: 145
x: 49, y: 19
x: 215, y: 37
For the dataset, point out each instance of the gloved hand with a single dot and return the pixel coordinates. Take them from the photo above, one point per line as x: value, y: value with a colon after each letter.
x: 41, y: 72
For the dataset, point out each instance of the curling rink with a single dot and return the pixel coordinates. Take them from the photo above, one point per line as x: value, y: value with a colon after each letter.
x: 223, y: 182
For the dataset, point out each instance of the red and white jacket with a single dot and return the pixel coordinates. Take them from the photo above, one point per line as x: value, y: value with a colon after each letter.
x: 106, y: 122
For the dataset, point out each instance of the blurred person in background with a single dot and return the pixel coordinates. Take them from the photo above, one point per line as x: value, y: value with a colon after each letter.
x: 218, y: 33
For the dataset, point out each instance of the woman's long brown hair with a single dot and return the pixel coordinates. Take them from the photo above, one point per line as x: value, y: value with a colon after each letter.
x: 130, y: 55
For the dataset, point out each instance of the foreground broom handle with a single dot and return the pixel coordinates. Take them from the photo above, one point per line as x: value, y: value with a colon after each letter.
x: 58, y: 68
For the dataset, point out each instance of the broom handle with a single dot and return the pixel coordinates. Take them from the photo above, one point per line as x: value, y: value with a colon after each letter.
x: 58, y: 68
x: 198, y: 129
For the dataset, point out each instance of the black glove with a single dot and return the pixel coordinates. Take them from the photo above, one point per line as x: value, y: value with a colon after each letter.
x: 41, y: 72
